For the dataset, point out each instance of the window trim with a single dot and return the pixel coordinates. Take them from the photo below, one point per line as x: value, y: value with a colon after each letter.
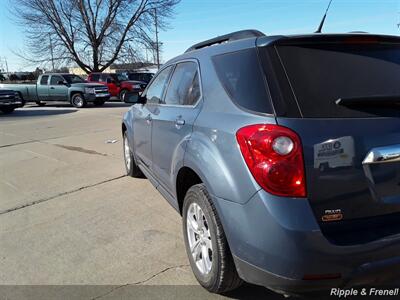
x: 169, y: 81
x: 47, y: 82
x: 154, y: 78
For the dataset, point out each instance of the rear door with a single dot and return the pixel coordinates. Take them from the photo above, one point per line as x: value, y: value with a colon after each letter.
x: 43, y: 88
x: 143, y: 113
x: 57, y: 91
x: 173, y: 121
x: 351, y: 152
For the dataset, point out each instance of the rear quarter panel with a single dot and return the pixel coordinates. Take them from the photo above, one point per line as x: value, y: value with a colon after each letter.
x: 27, y: 91
x: 212, y: 151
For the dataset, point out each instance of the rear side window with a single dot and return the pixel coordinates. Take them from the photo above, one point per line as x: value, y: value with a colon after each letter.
x: 44, y: 79
x: 184, y: 88
x: 95, y: 77
x: 319, y: 74
x: 240, y: 74
x: 156, y: 89
x: 55, y: 79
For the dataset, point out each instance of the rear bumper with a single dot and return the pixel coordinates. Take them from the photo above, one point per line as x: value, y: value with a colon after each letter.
x: 369, y: 274
x: 276, y: 242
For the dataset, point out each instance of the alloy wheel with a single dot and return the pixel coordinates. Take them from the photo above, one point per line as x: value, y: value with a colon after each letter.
x: 78, y: 101
x: 127, y: 154
x: 199, y: 238
x: 123, y: 95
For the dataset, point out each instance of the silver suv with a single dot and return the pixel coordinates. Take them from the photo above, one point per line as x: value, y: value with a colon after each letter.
x: 282, y: 155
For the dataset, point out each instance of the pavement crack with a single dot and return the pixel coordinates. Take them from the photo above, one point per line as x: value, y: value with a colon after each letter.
x: 141, y: 281
x: 109, y: 292
x: 20, y: 143
x: 59, y: 195
x: 158, y: 273
x: 49, y: 139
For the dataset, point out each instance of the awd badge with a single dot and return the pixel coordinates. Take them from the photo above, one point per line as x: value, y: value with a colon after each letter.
x: 332, y: 215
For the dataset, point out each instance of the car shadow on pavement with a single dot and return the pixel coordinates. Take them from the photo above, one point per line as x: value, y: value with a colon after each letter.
x: 37, y: 112
x: 89, y: 106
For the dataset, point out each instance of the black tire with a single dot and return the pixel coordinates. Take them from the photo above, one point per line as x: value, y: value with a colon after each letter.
x: 99, y: 102
x: 223, y: 276
x: 122, y: 95
x: 131, y: 167
x: 7, y: 110
x: 40, y: 103
x: 78, y: 100
x: 22, y: 100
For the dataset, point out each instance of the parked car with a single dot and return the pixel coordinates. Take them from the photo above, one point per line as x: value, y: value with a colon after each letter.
x: 61, y: 87
x: 117, y: 84
x: 9, y: 101
x: 228, y: 133
x: 141, y: 76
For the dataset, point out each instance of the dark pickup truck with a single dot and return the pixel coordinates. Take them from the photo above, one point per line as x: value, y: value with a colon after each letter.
x: 9, y: 100
x: 61, y: 87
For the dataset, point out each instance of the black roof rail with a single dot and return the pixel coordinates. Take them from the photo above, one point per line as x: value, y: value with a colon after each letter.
x: 234, y: 36
x: 357, y: 31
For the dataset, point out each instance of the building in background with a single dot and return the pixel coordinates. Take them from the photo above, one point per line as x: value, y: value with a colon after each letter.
x: 121, y: 68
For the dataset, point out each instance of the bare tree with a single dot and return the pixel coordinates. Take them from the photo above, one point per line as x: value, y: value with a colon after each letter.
x: 92, y: 33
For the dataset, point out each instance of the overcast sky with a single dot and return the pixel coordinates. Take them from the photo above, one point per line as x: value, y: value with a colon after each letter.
x: 197, y: 20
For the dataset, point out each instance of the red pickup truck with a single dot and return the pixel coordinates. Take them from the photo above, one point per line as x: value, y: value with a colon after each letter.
x: 118, y: 84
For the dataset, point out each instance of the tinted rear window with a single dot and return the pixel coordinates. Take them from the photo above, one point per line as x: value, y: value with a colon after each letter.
x: 95, y: 77
x: 241, y: 76
x: 320, y: 74
x: 145, y: 77
x: 44, y: 79
x: 184, y: 88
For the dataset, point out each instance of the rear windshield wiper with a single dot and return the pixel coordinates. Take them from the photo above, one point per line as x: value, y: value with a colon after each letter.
x: 378, y: 100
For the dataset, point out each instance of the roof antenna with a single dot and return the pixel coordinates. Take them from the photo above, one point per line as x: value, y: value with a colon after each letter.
x: 323, y: 19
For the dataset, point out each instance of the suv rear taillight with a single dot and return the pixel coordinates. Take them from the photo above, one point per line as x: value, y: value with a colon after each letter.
x: 274, y: 156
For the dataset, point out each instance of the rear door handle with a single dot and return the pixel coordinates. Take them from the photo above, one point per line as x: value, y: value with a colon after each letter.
x: 148, y: 118
x: 179, y: 122
x: 383, y: 155
x: 52, y: 88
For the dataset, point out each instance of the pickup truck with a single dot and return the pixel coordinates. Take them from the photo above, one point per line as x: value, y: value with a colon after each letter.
x: 9, y: 100
x: 118, y: 84
x: 61, y: 87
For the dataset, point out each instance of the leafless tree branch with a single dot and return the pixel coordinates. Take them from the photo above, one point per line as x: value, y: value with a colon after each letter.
x: 92, y: 33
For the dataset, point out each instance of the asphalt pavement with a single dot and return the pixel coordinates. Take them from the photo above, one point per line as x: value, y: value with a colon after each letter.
x: 69, y: 217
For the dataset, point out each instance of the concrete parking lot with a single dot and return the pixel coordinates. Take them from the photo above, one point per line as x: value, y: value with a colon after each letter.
x: 69, y: 216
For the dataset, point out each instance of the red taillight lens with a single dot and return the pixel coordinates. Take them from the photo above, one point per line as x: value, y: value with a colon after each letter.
x: 274, y: 156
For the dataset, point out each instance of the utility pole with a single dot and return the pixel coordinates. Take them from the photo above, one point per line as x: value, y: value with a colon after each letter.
x: 51, y: 51
x: 157, y: 44
x: 151, y: 50
x: 6, y: 63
